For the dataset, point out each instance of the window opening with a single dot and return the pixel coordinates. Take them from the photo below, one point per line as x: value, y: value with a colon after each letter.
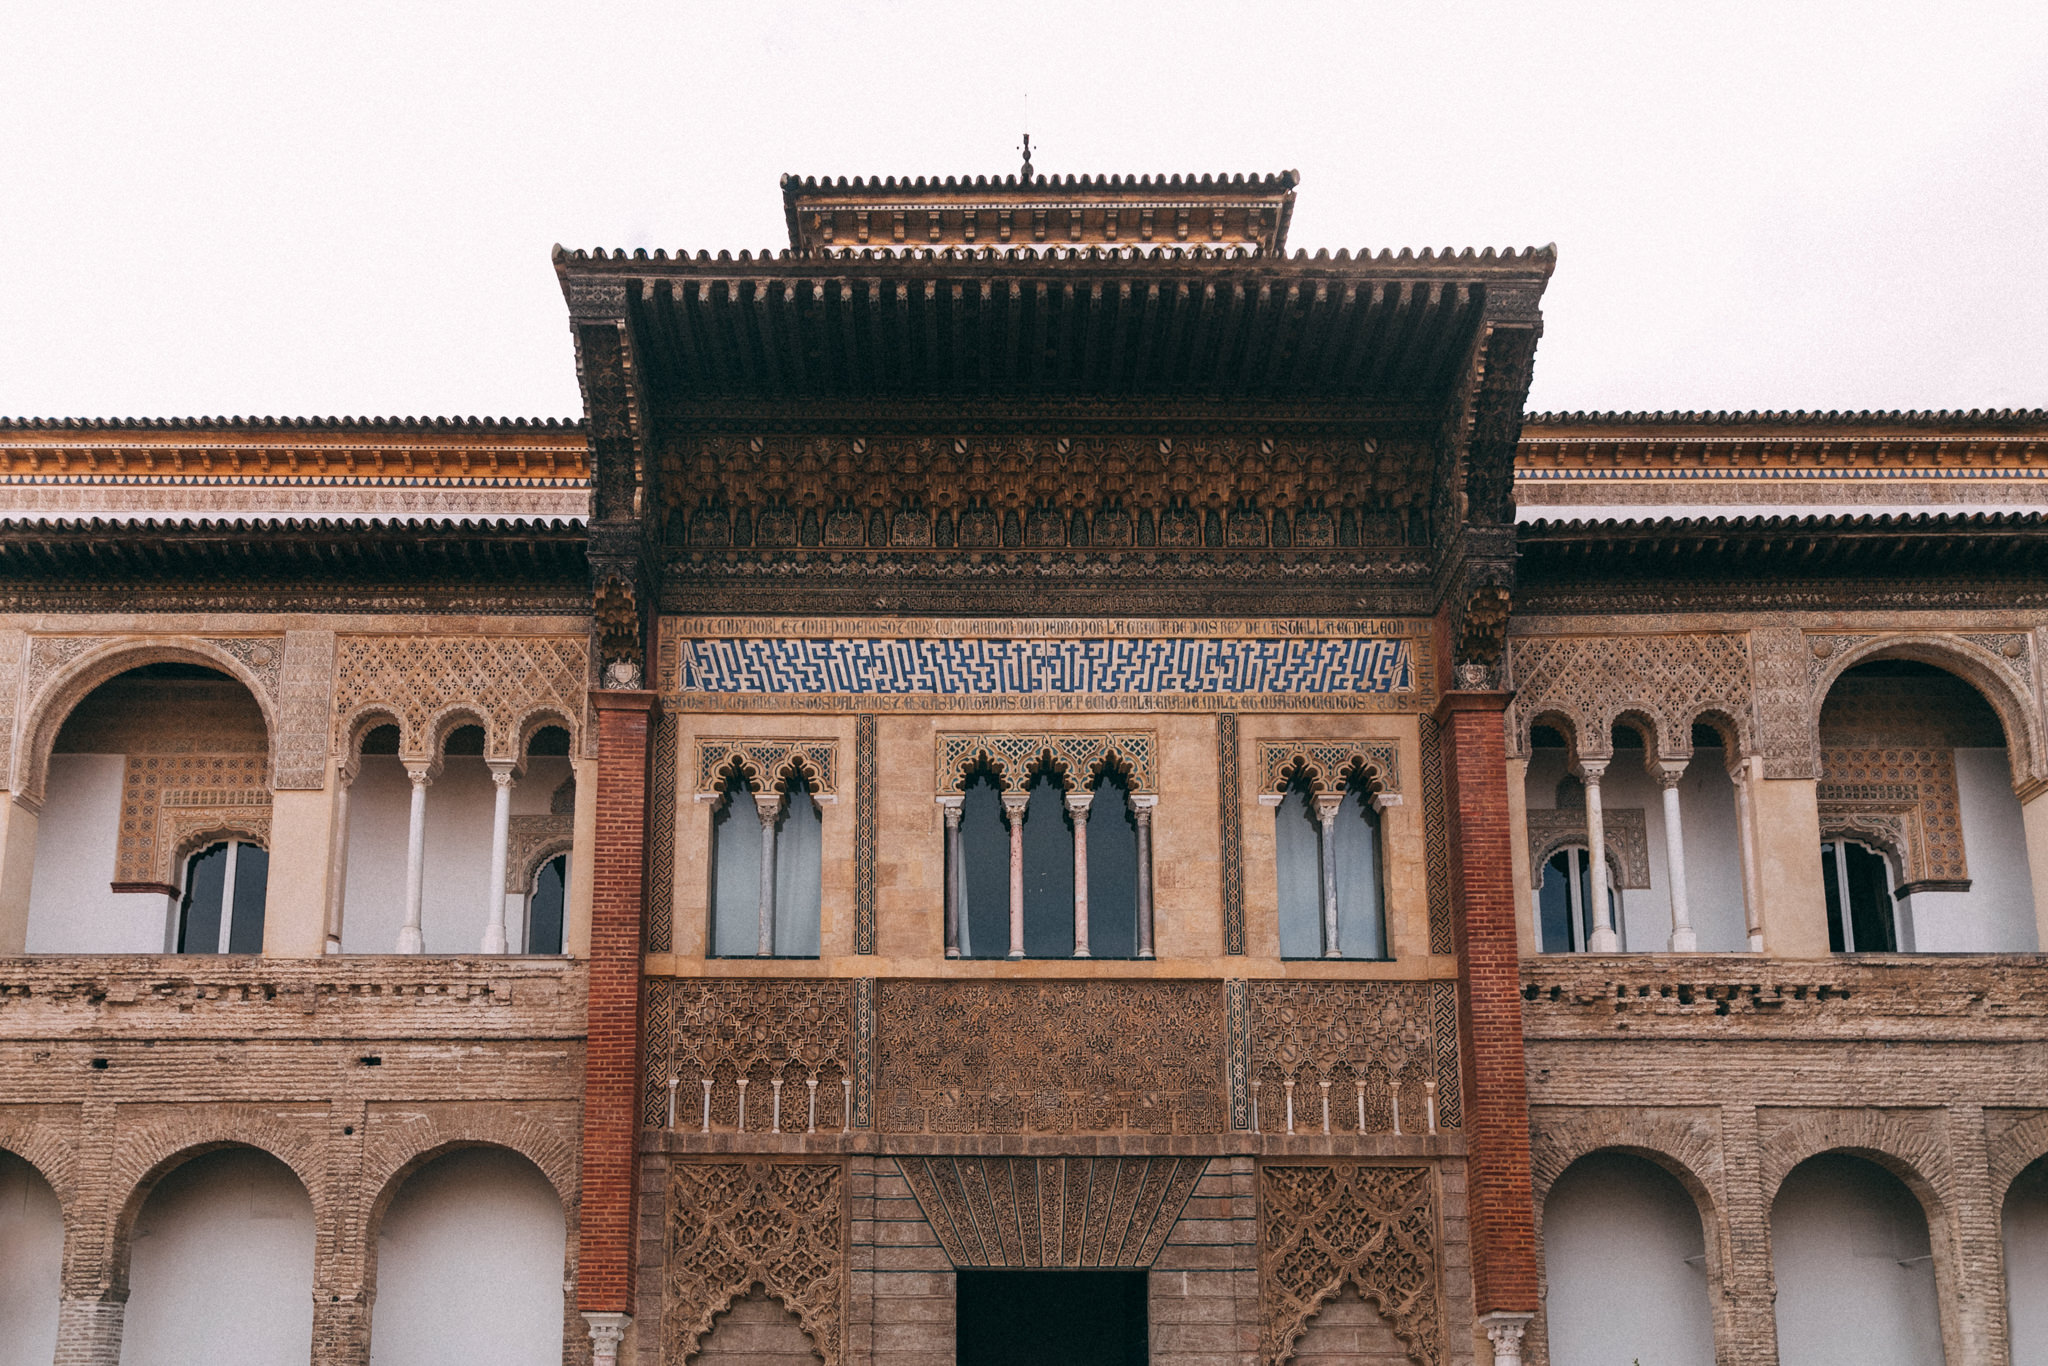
x: 1048, y: 871
x: 1112, y: 870
x: 1328, y: 846
x: 1567, y: 901
x: 222, y: 908
x: 780, y: 920
x: 1860, y: 880
x: 984, y: 871
x: 544, y: 906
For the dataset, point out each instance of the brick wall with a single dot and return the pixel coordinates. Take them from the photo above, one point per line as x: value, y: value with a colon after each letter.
x: 611, y: 1072
x: 1730, y: 1071
x: 351, y: 1071
x: 1490, y: 1018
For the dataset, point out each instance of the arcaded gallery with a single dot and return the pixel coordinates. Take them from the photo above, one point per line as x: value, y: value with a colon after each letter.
x: 1043, y: 777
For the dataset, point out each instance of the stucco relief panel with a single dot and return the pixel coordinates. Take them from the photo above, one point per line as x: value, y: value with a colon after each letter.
x: 1591, y: 680
x: 503, y: 681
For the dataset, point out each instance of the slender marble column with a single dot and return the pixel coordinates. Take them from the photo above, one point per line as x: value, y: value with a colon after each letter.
x: 494, y: 876
x: 1683, y: 938
x: 1077, y: 806
x: 1604, y: 939
x: 1013, y: 806
x: 768, y: 806
x: 410, y: 940
x: 1142, y: 809
x: 954, y: 876
x: 337, y: 856
x: 1746, y: 844
x: 1327, y: 806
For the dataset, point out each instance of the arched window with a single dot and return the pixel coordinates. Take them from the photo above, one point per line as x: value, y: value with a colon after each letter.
x: 544, y: 903
x: 1859, y: 891
x: 222, y: 908
x: 982, y: 877
x: 1112, y: 869
x: 778, y: 836
x: 1567, y: 901
x: 1048, y: 870
x: 1328, y: 860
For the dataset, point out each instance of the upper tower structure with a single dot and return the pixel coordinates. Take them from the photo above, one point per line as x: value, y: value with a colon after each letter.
x: 827, y: 215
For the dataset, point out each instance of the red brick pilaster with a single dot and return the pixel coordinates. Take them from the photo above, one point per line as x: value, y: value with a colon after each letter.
x: 1489, y: 1002
x: 604, y: 1275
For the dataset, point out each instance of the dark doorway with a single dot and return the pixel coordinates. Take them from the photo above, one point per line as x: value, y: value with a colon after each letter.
x: 1052, y: 1318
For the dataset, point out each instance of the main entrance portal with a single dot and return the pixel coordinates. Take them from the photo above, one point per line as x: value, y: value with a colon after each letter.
x: 1052, y: 1318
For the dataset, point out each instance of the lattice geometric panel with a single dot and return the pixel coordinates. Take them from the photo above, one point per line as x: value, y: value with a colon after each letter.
x: 766, y: 762
x: 1077, y: 756
x: 1326, y: 762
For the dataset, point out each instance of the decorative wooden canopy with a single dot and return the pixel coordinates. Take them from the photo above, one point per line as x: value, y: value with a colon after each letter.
x: 835, y: 215
x: 1103, y: 323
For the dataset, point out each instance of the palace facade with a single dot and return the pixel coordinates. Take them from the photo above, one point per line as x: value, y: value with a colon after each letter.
x: 1038, y: 779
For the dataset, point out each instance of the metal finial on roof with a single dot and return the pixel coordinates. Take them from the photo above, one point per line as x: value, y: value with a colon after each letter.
x: 1027, y: 156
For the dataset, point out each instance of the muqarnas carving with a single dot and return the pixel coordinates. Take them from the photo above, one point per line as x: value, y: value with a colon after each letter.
x: 1044, y: 1057
x: 1373, y: 1226
x: 733, y: 1226
x: 1052, y: 1211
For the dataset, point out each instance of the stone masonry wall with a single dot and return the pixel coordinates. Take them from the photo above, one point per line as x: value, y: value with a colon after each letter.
x: 1730, y: 1071
x: 351, y: 1071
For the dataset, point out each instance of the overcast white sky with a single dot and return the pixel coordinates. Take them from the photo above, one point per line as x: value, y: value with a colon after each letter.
x: 299, y: 208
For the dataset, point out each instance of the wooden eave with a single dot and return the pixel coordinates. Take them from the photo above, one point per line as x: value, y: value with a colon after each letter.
x: 1783, y: 443
x: 313, y: 451
x: 1931, y: 545
x: 1104, y: 324
x: 517, y: 553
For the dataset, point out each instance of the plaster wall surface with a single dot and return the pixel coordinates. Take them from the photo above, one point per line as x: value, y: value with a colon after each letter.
x: 31, y: 1264
x: 1997, y: 914
x: 1854, y: 1269
x: 469, y: 1264
x: 72, y: 907
x: 2026, y: 1266
x: 222, y: 1266
x: 1625, y: 1264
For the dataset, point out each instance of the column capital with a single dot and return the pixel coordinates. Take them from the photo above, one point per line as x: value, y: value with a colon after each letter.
x: 768, y: 806
x: 504, y: 772
x: 1667, y: 772
x: 1016, y: 801
x: 422, y: 774
x: 1590, y: 770
x: 607, y: 1331
x: 953, y: 809
x: 1078, y: 802
x: 1504, y: 1331
x: 1144, y: 801
x: 1328, y: 804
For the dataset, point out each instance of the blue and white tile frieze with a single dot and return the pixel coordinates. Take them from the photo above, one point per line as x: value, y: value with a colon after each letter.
x: 980, y: 667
